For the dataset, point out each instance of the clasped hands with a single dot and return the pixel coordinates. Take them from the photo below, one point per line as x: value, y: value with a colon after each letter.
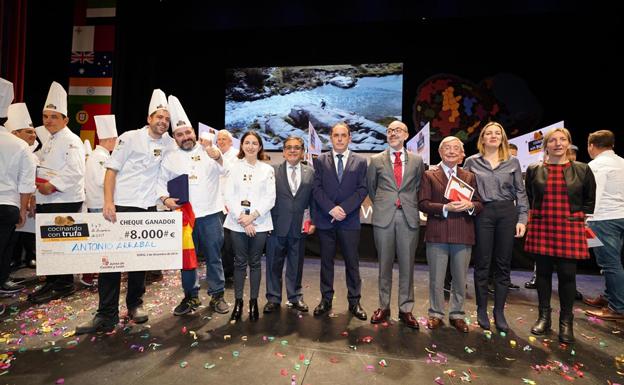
x: 338, y: 214
x: 458, y: 206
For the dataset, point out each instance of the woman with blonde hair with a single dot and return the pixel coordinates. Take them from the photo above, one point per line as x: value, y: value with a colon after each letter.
x: 561, y: 192
x: 504, y: 216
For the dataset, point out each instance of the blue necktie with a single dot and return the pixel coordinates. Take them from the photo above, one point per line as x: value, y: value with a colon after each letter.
x: 340, y: 167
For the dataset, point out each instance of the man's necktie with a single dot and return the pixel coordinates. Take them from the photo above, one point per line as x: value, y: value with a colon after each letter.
x: 398, y: 174
x: 340, y: 167
x: 293, y: 179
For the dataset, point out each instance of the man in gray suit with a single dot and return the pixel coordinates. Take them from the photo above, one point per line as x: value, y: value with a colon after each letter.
x: 393, y: 182
x: 293, y: 196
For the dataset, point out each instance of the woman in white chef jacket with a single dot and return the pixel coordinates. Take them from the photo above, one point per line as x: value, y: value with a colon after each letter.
x: 249, y: 197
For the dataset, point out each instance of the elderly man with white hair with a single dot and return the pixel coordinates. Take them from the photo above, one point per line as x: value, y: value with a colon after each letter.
x: 450, y: 232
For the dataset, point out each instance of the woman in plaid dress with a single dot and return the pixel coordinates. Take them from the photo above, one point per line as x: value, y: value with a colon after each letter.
x: 560, y: 194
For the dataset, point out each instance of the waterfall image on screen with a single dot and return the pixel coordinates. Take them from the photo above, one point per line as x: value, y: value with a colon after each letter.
x: 281, y: 101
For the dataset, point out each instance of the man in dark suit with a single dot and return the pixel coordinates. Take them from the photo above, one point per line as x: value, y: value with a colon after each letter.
x: 339, y: 190
x: 293, y: 196
x: 393, y: 182
x: 449, y: 234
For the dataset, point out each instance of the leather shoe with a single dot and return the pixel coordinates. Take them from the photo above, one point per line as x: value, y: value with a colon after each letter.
x: 322, y: 307
x: 598, y: 302
x: 358, y: 311
x: 408, y: 319
x: 460, y: 325
x: 606, y: 313
x: 48, y: 293
x: 299, y: 305
x: 531, y: 283
x: 98, y: 324
x: 380, y: 315
x: 434, y: 323
x: 138, y: 314
x: 271, y: 307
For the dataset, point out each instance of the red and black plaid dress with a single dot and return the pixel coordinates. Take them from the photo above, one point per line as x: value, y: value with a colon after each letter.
x: 550, y: 231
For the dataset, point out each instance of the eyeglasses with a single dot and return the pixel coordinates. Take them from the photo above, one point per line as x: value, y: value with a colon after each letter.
x: 391, y: 131
x: 291, y: 148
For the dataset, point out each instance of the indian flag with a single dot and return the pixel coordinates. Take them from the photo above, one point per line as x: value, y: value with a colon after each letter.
x: 90, y: 86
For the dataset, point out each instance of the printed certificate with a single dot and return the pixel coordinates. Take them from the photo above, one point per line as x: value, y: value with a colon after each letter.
x: 72, y: 243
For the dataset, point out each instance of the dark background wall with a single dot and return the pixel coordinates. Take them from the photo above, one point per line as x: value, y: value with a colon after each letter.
x: 567, y: 53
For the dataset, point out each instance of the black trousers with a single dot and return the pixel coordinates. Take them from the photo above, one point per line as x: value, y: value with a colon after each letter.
x: 349, y: 241
x: 566, y: 274
x: 109, y: 283
x: 495, y: 230
x: 62, y: 281
x: 24, y: 245
x: 9, y: 216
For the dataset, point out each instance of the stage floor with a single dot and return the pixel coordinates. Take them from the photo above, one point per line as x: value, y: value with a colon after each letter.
x: 38, y: 345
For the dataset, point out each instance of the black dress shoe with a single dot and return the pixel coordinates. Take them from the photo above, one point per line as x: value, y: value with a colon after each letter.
x: 98, y: 324
x: 322, y: 307
x: 358, y: 311
x: 271, y: 307
x: 299, y: 305
x: 50, y: 294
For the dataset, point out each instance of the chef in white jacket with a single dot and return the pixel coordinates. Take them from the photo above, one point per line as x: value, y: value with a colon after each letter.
x: 95, y: 169
x: 60, y: 180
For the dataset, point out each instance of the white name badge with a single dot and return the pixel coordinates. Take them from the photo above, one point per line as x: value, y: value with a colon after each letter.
x: 72, y: 243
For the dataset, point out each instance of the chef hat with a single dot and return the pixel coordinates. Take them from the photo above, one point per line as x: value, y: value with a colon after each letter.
x: 18, y: 117
x: 158, y: 102
x: 57, y: 99
x: 105, y: 126
x: 6, y: 96
x: 179, y: 119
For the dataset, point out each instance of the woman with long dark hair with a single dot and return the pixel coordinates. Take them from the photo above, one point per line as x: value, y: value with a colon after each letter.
x: 249, y: 197
x: 504, y: 216
x: 561, y: 192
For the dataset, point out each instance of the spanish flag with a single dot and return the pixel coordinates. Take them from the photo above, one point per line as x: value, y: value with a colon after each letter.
x: 189, y: 259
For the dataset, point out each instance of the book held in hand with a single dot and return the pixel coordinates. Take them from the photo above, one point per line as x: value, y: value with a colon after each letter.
x: 178, y: 187
x: 457, y: 190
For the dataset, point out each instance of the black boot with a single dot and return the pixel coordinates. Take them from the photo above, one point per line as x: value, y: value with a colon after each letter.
x: 566, y: 332
x: 238, y: 310
x: 543, y: 322
x: 481, y: 294
x: 253, y: 310
x: 500, y: 297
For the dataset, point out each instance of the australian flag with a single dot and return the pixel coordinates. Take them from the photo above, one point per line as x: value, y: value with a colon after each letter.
x: 91, y: 64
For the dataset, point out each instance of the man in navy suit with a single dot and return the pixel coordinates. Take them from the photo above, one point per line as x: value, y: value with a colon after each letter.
x: 293, y: 196
x: 339, y: 190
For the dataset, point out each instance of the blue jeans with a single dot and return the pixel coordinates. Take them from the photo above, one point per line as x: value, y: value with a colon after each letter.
x: 611, y: 233
x: 190, y: 283
x: 208, y: 240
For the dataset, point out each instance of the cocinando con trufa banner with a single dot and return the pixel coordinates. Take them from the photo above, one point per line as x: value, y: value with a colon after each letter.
x: 72, y: 243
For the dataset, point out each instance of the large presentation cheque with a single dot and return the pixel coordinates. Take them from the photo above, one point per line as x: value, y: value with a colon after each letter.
x: 87, y: 243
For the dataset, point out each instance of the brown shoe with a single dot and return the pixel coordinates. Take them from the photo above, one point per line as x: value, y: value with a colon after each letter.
x: 408, y: 319
x: 606, y: 314
x: 598, y: 302
x: 460, y: 325
x: 380, y: 315
x: 434, y: 323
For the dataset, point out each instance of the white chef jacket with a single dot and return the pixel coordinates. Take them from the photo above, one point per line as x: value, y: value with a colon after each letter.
x: 63, y: 156
x: 94, y: 177
x: 136, y: 159
x: 17, y: 169
x: 255, y: 184
x: 203, y: 172
x: 608, y: 169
